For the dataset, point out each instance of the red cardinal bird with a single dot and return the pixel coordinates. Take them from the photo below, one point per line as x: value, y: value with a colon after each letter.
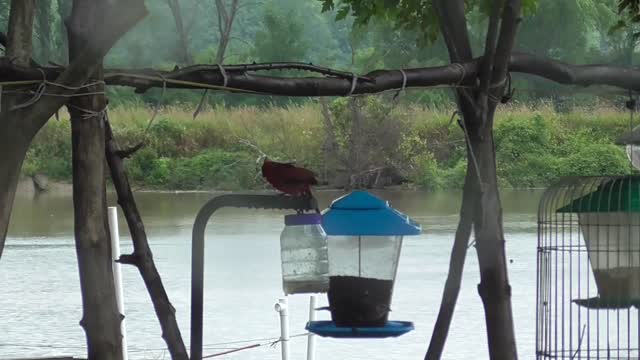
x: 288, y: 178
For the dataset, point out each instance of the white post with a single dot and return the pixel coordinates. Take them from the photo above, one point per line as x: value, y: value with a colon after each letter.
x: 282, y: 308
x: 311, y: 339
x: 117, y: 274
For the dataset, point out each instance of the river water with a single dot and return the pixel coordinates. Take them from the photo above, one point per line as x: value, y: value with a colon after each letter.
x: 40, y: 303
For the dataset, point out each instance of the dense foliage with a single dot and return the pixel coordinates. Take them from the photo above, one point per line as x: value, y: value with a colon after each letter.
x: 535, y: 146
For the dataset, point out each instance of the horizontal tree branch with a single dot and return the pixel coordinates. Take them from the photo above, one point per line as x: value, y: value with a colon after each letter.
x: 241, y: 78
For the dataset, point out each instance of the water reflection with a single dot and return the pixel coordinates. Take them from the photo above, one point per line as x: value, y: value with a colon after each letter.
x: 52, y: 214
x: 41, y: 303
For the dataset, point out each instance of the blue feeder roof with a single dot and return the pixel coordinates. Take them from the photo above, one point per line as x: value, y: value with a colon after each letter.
x: 361, y: 213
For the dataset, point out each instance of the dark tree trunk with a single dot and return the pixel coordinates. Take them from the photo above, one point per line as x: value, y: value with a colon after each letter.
x: 101, y: 319
x: 142, y: 258
x: 478, y: 109
x: 19, y: 122
x: 15, y: 135
x: 14, y: 149
x: 20, y: 32
x: 494, y: 288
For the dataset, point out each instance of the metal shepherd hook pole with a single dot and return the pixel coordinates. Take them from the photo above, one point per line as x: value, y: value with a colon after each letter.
x: 255, y: 201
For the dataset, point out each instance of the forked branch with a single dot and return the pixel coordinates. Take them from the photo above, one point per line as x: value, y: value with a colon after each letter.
x: 142, y: 258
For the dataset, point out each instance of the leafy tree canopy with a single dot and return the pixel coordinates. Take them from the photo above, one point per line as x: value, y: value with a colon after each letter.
x: 630, y: 9
x: 408, y: 14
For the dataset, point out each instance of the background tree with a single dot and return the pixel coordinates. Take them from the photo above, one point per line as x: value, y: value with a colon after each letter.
x: 226, y: 17
x: 184, y: 55
x: 44, y: 31
x: 62, y: 41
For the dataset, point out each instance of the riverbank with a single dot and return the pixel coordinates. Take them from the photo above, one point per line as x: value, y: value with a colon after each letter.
x: 534, y: 145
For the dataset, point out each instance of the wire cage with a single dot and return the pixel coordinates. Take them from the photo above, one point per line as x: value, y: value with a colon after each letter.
x: 588, y: 262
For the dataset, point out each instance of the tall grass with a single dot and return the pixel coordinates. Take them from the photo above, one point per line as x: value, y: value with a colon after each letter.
x: 534, y: 144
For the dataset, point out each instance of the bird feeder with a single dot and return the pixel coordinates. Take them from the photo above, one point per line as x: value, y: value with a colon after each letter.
x: 303, y: 252
x: 609, y: 219
x: 364, y: 241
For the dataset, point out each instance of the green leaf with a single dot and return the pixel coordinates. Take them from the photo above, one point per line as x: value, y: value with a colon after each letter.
x: 343, y: 12
x: 623, y: 4
x: 621, y: 24
x: 327, y: 5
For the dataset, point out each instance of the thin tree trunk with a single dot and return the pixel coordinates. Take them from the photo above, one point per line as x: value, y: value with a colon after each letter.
x: 226, y: 18
x: 333, y: 157
x: 142, y: 258
x: 354, y: 166
x: 64, y: 10
x: 43, y: 15
x: 222, y: 47
x: 456, y: 268
x: 101, y: 319
x: 183, y: 39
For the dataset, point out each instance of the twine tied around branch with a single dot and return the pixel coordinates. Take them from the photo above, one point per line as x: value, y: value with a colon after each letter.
x: 354, y: 82
x: 89, y: 114
x: 404, y: 85
x: 463, y: 73
x: 42, y: 86
x: 225, y: 81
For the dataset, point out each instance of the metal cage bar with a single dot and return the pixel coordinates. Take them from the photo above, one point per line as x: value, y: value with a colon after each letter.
x: 588, y: 269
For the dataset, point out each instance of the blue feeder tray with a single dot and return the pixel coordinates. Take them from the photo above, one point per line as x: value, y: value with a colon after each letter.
x: 329, y: 329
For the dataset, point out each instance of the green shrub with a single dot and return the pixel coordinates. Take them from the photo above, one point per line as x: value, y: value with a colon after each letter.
x: 533, y: 148
x: 431, y: 176
x: 167, y: 137
x: 595, y: 159
x: 50, y: 153
x: 214, y: 169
